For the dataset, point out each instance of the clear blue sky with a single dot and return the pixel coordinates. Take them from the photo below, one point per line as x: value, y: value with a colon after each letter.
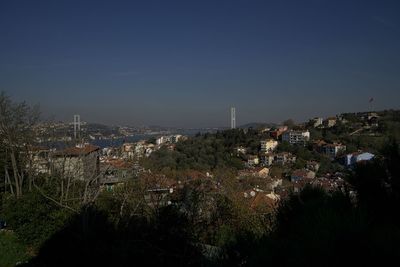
x: 184, y: 63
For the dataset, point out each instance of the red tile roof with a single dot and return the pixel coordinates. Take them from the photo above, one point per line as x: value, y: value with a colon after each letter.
x: 300, y: 173
x: 262, y: 201
x: 77, y: 151
x: 119, y: 164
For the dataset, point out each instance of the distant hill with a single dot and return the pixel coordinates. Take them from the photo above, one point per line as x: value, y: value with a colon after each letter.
x: 258, y: 125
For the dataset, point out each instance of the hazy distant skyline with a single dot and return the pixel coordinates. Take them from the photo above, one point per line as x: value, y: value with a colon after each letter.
x: 185, y: 63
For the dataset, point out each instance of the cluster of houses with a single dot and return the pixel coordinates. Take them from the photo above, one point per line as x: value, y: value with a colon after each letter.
x: 171, y: 139
x: 110, y: 166
x: 365, y: 119
x: 334, y: 150
x: 114, y: 166
x: 87, y: 160
x: 260, y: 165
x: 131, y: 151
x: 323, y: 123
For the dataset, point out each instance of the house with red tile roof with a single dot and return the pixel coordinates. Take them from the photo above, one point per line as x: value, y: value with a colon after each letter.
x: 80, y: 162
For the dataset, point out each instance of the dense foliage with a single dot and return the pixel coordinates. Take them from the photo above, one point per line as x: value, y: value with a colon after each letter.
x: 33, y: 218
x: 12, y: 250
x: 207, y: 152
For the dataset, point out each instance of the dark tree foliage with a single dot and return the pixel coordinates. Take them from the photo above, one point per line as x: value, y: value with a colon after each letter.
x: 285, y: 147
x: 315, y: 228
x: 91, y: 240
x: 33, y: 218
x: 378, y: 184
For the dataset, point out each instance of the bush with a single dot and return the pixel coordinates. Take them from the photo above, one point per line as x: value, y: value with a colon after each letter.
x: 90, y: 239
x: 12, y: 251
x: 33, y: 218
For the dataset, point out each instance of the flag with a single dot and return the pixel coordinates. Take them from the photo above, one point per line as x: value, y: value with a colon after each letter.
x: 371, y: 99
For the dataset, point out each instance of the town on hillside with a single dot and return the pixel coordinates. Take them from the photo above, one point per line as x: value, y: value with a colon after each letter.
x: 199, y: 133
x: 213, y: 193
x: 267, y: 163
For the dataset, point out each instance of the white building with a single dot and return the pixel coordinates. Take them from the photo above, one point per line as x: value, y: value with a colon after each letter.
x: 330, y: 122
x: 161, y: 140
x: 128, y: 150
x: 252, y: 160
x: 296, y: 137
x: 169, y: 139
x: 317, y: 121
x: 241, y: 150
x: 268, y: 145
x: 175, y: 138
x: 354, y: 158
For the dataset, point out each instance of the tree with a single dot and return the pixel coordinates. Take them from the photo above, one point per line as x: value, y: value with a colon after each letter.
x: 289, y: 123
x: 16, y: 135
x: 33, y: 218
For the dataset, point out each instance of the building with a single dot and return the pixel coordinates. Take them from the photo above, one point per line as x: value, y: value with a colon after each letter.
x: 274, y: 184
x: 265, y: 203
x: 316, y: 122
x: 268, y: 145
x: 278, y: 131
x: 128, y: 150
x: 161, y: 140
x: 176, y: 138
x: 352, y: 159
x: 110, y: 152
x: 284, y: 158
x: 253, y: 160
x: 169, y: 139
x: 265, y: 130
x: 159, y: 190
x: 332, y: 150
x: 81, y: 162
x: 267, y: 159
x: 149, y: 148
x: 312, y: 166
x: 261, y: 172
x: 136, y: 150
x: 373, y: 119
x: 318, y: 145
x: 115, y: 172
x: 241, y: 150
x: 39, y: 160
x: 372, y: 115
x: 296, y: 137
x: 330, y: 122
x: 117, y: 168
x: 302, y: 174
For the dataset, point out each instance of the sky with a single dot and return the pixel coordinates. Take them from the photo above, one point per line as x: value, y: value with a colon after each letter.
x: 185, y: 63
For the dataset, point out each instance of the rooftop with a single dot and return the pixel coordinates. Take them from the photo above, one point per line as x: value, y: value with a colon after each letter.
x: 77, y: 151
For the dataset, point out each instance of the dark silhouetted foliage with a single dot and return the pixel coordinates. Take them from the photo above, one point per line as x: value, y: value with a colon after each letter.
x: 89, y: 239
